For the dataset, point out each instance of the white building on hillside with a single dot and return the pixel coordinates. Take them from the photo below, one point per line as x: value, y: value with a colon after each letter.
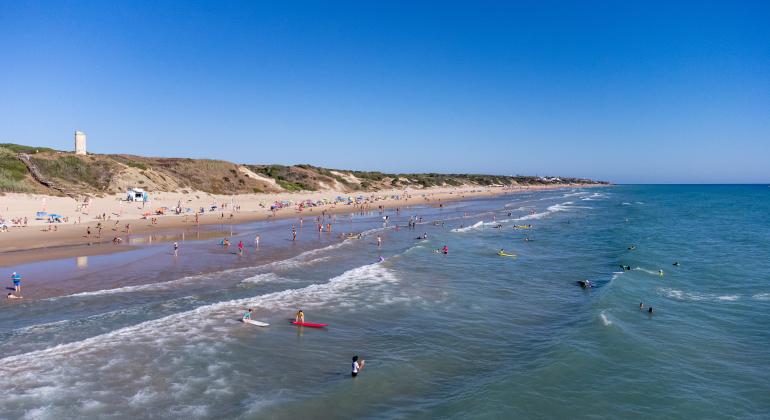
x: 80, y: 143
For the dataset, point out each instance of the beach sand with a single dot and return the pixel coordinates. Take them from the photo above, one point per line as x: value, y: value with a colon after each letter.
x: 39, y: 241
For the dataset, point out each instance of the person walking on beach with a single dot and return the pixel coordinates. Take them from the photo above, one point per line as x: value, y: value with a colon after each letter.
x: 356, y: 366
x: 16, y: 278
x: 176, y: 249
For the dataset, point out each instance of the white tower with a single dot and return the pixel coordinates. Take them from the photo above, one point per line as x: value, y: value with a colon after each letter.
x: 80, y: 143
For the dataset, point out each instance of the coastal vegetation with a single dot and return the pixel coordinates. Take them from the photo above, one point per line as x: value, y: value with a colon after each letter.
x: 100, y: 174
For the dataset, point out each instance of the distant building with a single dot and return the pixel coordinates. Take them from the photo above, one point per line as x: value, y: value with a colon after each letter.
x: 80, y: 143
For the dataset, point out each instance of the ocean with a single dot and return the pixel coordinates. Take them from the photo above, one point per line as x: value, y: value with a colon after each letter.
x: 466, y: 335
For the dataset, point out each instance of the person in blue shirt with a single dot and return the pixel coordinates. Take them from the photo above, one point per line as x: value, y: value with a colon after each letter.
x: 16, y: 278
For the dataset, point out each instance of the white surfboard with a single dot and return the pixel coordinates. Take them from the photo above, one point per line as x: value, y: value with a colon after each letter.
x: 257, y: 323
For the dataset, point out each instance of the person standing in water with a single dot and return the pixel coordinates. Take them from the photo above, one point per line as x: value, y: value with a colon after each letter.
x: 299, y: 318
x: 445, y: 250
x: 240, y: 248
x: 16, y: 279
x: 379, y: 241
x: 256, y: 241
x: 176, y: 249
x: 356, y: 366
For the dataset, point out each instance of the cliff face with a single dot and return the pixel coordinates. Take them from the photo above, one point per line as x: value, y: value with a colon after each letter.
x: 40, y: 170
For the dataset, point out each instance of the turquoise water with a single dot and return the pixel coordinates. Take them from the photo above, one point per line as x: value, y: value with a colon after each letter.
x: 464, y: 335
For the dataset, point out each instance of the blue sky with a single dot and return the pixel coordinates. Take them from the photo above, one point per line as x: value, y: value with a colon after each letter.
x: 644, y: 92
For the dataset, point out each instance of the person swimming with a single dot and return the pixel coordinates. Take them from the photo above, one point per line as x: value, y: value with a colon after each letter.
x: 356, y: 367
x: 649, y: 311
x: 632, y: 247
x: 676, y: 263
x: 625, y: 267
x: 660, y: 273
x: 585, y: 284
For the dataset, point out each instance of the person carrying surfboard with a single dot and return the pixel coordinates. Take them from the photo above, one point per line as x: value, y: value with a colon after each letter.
x: 356, y: 366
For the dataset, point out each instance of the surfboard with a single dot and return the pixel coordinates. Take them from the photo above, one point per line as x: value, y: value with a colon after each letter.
x: 257, y: 323
x: 308, y: 324
x: 506, y: 255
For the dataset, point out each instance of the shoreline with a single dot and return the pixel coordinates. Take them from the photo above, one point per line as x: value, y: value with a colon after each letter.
x: 35, y: 242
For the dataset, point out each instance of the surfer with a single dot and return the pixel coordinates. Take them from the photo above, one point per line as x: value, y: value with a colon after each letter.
x: 16, y: 278
x: 380, y: 259
x: 660, y: 273
x: 676, y: 263
x: 300, y: 317
x: 247, y: 315
x: 356, y: 366
x: 632, y: 247
x: 649, y: 311
x: 445, y: 250
x: 501, y: 252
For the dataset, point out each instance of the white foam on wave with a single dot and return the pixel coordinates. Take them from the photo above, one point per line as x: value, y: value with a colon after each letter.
x: 696, y: 296
x: 294, y: 262
x: 605, y: 320
x: 337, y: 290
x: 573, y: 194
x: 594, y: 197
x: 261, y: 278
x: 117, y: 360
x: 467, y: 228
x: 761, y: 296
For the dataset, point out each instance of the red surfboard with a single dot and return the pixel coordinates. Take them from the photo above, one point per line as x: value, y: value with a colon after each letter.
x: 309, y: 324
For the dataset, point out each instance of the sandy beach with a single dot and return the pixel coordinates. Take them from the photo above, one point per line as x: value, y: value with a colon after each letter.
x: 40, y: 239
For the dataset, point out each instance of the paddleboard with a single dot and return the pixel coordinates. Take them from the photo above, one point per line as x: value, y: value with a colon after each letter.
x: 309, y: 324
x: 257, y: 323
x: 506, y: 255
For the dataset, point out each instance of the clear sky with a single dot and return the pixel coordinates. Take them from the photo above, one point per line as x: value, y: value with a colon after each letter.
x: 642, y: 92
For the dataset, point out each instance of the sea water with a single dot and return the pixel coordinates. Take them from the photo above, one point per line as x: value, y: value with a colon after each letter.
x: 469, y: 334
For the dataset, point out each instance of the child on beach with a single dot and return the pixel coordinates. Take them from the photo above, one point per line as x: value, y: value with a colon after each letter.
x: 16, y: 278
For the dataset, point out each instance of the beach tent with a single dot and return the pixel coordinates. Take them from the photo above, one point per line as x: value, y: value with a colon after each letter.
x: 41, y: 215
x: 137, y: 194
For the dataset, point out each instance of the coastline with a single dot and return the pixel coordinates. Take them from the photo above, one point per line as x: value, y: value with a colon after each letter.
x: 36, y: 242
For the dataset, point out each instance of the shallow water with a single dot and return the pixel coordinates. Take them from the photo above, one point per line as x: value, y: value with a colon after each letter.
x: 464, y: 335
